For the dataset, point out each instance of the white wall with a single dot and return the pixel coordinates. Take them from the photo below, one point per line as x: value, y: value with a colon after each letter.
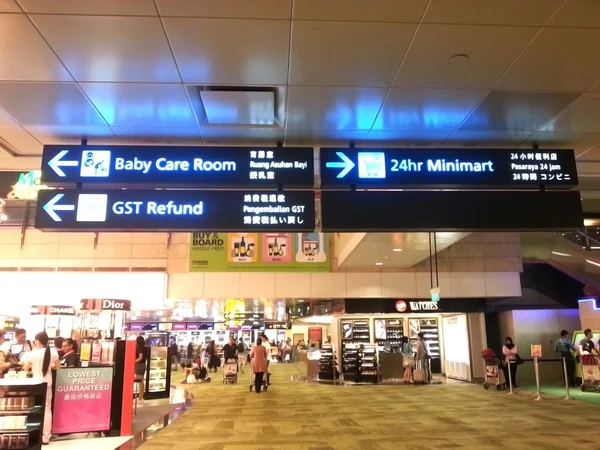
x: 20, y: 290
x: 341, y: 285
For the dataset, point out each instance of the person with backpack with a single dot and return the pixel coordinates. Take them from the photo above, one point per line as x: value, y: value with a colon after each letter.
x: 242, y: 355
x: 213, y: 356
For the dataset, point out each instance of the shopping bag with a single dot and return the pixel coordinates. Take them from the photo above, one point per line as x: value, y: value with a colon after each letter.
x: 408, y: 361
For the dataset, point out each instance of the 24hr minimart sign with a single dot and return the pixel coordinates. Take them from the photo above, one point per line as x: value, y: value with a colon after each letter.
x: 166, y: 210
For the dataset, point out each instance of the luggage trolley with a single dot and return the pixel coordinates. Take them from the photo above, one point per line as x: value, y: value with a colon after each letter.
x: 230, y: 369
x: 590, y: 373
x: 492, y: 369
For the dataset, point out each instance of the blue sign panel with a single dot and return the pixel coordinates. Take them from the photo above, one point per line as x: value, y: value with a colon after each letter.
x: 172, y: 210
x: 447, y: 167
x: 106, y: 166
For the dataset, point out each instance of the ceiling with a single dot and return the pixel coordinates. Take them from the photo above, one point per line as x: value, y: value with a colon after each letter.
x: 393, y: 250
x: 374, y: 72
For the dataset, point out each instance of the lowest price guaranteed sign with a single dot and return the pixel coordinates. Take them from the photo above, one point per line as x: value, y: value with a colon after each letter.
x: 82, y: 400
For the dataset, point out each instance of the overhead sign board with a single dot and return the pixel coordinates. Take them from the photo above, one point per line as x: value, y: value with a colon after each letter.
x: 447, y: 167
x: 166, y: 210
x: 376, y: 211
x: 157, y: 166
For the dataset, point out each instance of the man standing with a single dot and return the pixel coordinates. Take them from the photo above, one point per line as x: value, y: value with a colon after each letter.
x: 586, y: 346
x: 242, y: 356
x: 230, y: 350
x: 564, y: 348
x: 21, y: 344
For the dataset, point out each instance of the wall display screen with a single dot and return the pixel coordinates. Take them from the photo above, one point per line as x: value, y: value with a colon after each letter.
x: 450, y: 211
x: 94, y: 165
x: 448, y: 167
x: 165, y: 210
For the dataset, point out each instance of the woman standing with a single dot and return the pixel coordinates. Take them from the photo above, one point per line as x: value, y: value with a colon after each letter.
x: 259, y: 364
x: 509, y: 350
x: 140, y: 366
x: 408, y: 359
x: 40, y: 360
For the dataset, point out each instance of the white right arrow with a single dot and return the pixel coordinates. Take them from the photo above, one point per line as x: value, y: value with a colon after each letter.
x: 52, y: 206
x: 55, y: 163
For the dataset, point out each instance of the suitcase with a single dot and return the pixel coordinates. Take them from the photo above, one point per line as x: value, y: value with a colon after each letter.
x: 420, y: 372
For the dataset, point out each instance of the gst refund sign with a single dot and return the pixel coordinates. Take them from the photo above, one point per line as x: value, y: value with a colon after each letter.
x: 177, y: 166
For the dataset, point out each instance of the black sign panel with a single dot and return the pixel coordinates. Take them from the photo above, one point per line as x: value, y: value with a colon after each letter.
x: 447, y: 167
x: 166, y: 210
x: 450, y: 211
x: 106, y: 166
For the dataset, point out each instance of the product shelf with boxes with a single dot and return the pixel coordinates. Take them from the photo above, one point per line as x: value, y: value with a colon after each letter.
x: 158, y: 375
x: 21, y: 413
x: 368, y: 367
x: 327, y: 363
x: 354, y: 333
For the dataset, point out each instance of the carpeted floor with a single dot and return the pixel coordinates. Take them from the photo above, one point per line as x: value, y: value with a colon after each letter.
x: 296, y: 416
x: 575, y: 393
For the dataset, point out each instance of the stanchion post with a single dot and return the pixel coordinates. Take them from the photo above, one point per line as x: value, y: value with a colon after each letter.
x: 564, y: 361
x: 537, y: 379
x: 510, y: 383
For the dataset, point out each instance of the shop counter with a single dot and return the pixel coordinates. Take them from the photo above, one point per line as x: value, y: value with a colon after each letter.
x: 391, y: 365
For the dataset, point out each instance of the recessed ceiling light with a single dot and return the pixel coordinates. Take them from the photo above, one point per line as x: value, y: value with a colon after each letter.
x: 397, y: 250
x: 379, y: 264
x: 459, y: 59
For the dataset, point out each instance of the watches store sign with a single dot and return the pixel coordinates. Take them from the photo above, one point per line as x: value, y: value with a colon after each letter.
x: 258, y: 252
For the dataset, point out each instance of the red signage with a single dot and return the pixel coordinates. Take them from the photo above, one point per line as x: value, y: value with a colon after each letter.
x: 401, y: 306
x: 179, y: 326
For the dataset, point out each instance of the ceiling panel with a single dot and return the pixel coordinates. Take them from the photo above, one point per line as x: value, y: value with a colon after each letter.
x: 516, y: 111
x: 25, y: 55
x: 158, y: 136
x: 138, y: 105
x: 491, y: 12
x: 360, y: 10
x: 48, y: 135
x: 324, y: 136
x: 241, y: 135
x: 19, y: 139
x: 424, y: 139
x: 580, y: 13
x: 91, y: 7
x: 223, y: 51
x: 581, y: 116
x: 580, y: 142
x: 490, y: 50
x: 257, y: 9
x: 346, y: 53
x: 100, y: 48
x: 486, y: 139
x: 591, y: 154
x: 426, y: 109
x: 48, y: 104
x: 6, y: 119
x: 9, y: 6
x: 333, y: 108
x: 557, y: 59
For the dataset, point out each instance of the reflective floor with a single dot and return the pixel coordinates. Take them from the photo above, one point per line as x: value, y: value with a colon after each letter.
x: 294, y: 416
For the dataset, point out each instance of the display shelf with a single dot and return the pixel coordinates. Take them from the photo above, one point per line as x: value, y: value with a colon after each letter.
x: 327, y: 363
x: 368, y: 368
x: 21, y: 413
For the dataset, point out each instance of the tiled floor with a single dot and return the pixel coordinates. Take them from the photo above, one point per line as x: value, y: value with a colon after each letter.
x: 296, y: 416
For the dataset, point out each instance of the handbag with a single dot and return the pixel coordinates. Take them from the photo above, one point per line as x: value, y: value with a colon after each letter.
x: 408, y: 360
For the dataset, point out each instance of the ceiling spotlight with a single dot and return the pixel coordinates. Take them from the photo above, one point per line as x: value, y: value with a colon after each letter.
x: 379, y: 264
x: 397, y: 250
x: 459, y: 59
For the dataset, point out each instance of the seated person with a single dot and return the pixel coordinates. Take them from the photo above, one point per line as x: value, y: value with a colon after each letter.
x: 190, y: 369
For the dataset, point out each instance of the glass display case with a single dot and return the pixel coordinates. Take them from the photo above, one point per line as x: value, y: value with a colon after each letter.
x: 158, y: 373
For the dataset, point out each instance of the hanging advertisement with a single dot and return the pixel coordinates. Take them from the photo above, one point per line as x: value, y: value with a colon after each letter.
x: 82, y: 400
x: 259, y: 252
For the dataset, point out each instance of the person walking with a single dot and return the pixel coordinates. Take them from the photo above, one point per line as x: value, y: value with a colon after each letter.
x: 40, y: 360
x: 211, y: 353
x: 242, y: 355
x: 564, y: 347
x: 408, y: 359
x: 509, y: 350
x: 259, y: 364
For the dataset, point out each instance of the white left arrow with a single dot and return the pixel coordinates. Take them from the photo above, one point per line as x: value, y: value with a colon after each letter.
x: 51, y: 207
x: 56, y: 163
